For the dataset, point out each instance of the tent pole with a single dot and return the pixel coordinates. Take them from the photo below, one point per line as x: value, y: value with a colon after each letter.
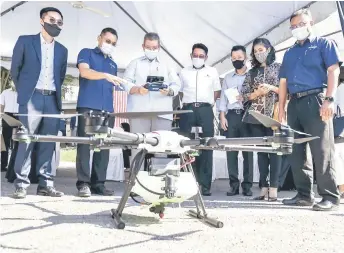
x: 13, y: 7
x: 248, y: 43
x: 143, y: 29
x: 340, y: 7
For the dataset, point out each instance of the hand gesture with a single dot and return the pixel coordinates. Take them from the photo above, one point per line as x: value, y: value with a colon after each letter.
x: 113, y: 79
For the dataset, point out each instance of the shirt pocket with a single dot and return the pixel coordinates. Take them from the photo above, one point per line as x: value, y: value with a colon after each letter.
x: 312, y: 57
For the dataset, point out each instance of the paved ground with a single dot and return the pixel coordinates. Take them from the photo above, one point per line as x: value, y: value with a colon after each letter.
x: 70, y: 224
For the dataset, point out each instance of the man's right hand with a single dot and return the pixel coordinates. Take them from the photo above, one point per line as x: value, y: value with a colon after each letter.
x: 224, y: 123
x: 113, y: 79
x: 143, y: 91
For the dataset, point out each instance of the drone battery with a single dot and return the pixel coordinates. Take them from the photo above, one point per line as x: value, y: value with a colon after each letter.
x: 161, y: 166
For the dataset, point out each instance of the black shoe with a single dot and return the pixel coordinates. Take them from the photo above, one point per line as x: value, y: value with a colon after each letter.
x: 325, y: 205
x: 206, y: 192
x: 298, y: 201
x: 48, y: 191
x: 19, y: 193
x: 84, y: 191
x: 101, y: 190
x: 247, y: 192
x: 233, y: 191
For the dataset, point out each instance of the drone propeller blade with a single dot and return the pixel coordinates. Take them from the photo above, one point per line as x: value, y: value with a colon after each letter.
x: 302, y: 133
x: 128, y: 115
x: 303, y: 140
x: 59, y: 116
x: 269, y: 122
x: 11, y: 121
x: 265, y: 120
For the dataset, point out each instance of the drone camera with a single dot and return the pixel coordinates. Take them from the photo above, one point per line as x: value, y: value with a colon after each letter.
x: 170, y: 186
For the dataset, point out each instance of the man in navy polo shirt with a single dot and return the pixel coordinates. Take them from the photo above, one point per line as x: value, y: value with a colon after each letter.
x: 309, y: 72
x: 96, y: 83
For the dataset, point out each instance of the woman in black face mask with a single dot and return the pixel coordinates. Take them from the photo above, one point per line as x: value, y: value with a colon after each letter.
x: 260, y: 93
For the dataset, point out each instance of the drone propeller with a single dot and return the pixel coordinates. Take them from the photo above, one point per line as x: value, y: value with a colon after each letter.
x: 128, y: 115
x: 269, y: 122
x: 125, y: 115
x: 12, y: 122
x: 58, y: 116
x: 303, y: 140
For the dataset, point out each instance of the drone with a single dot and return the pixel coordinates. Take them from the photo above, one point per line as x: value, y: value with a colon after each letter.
x: 169, y: 177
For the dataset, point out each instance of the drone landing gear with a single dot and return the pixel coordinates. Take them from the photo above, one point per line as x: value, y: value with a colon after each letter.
x: 200, y: 212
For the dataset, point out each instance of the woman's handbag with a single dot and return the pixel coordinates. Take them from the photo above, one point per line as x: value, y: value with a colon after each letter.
x: 338, y: 124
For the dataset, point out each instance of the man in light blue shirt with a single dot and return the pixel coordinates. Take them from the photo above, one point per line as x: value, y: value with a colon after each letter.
x: 231, y: 113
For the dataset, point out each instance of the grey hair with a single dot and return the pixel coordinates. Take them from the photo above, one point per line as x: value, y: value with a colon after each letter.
x: 151, y: 36
x: 304, y: 11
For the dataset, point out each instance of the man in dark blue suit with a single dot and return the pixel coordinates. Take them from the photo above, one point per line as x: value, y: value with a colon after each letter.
x: 38, y: 69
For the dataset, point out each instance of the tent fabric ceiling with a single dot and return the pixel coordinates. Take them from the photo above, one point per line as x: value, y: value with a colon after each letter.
x: 219, y: 25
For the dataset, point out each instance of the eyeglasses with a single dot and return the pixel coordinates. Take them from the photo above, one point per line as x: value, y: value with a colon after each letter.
x: 301, y: 24
x: 53, y: 21
x: 152, y: 48
x: 201, y: 56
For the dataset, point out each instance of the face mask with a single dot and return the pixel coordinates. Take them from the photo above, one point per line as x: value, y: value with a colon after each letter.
x: 301, y: 33
x: 238, y: 64
x: 107, y: 49
x: 52, y: 30
x: 261, y: 57
x: 151, y: 54
x: 197, y: 62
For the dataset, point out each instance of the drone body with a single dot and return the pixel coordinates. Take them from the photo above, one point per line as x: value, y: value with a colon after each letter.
x: 169, y: 176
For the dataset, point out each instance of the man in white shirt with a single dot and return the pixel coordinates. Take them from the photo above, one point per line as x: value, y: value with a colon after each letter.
x: 8, y: 105
x: 141, y: 99
x: 231, y: 113
x: 200, y: 87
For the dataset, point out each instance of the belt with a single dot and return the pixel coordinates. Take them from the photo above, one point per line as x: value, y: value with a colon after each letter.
x: 237, y: 111
x: 306, y: 93
x: 197, y: 104
x: 46, y: 92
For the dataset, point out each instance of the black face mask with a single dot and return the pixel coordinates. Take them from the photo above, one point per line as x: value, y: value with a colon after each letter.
x: 52, y: 30
x: 238, y: 64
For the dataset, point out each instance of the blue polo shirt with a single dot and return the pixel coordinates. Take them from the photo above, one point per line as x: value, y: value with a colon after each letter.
x: 96, y: 94
x: 305, y: 66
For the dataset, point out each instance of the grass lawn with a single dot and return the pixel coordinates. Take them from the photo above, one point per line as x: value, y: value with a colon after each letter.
x: 68, y: 155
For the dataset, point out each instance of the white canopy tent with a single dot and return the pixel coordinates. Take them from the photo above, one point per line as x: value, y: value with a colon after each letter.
x: 219, y: 25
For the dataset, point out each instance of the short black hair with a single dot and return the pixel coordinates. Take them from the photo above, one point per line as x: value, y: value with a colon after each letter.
x: 200, y: 46
x: 304, y: 11
x: 109, y: 30
x: 237, y: 48
x: 271, y: 56
x: 151, y: 36
x: 47, y: 9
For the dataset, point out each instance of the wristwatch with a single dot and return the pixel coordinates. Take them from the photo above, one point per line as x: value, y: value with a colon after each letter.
x: 329, y: 99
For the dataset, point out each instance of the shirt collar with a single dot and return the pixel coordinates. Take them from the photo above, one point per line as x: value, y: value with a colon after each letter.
x: 157, y: 59
x: 44, y: 42
x: 236, y: 74
x: 310, y: 39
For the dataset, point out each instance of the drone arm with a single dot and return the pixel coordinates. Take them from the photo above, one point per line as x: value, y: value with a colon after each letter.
x: 52, y: 138
x: 214, y: 142
x: 280, y: 150
x: 133, y: 137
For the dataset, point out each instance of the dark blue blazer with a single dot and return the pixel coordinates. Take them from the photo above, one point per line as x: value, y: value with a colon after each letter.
x: 26, y: 67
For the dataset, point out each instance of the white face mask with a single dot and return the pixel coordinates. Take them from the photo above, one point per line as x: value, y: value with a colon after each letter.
x: 197, y: 62
x: 301, y: 33
x: 107, y: 49
x: 151, y: 54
